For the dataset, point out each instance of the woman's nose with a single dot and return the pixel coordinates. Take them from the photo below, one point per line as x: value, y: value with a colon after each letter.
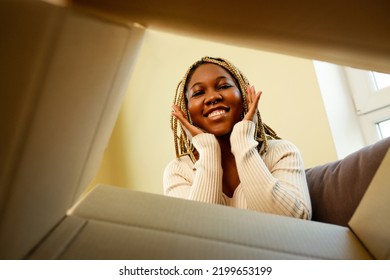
x: 213, y: 98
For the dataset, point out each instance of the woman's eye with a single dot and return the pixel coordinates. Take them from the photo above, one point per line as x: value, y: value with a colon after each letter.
x: 196, y: 93
x: 225, y: 86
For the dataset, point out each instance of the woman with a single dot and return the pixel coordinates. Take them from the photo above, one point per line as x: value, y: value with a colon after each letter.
x: 225, y: 153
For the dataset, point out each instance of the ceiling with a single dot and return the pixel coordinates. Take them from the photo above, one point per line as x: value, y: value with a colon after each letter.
x: 348, y: 32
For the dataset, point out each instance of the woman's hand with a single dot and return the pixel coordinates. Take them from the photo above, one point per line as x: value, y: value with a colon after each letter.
x: 180, y: 116
x: 253, y: 100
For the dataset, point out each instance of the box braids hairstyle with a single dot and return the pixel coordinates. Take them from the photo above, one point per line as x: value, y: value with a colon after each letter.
x: 183, y: 144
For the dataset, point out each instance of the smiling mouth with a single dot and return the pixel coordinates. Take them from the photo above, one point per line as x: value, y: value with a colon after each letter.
x: 216, y: 113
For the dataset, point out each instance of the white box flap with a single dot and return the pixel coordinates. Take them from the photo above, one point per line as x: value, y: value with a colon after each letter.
x: 371, y: 221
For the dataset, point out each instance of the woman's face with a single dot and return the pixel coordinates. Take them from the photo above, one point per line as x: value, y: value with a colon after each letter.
x: 214, y: 99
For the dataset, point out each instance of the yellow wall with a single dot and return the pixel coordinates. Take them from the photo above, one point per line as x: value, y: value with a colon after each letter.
x: 142, y: 143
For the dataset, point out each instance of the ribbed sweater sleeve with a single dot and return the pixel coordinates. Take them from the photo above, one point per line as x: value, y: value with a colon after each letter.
x: 205, y: 184
x: 276, y: 184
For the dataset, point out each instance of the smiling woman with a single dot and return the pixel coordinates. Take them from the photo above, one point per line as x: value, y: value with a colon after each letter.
x: 210, y: 85
x: 225, y: 154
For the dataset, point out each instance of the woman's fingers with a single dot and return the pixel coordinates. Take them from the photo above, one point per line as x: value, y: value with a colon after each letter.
x: 253, y: 98
x: 179, y: 114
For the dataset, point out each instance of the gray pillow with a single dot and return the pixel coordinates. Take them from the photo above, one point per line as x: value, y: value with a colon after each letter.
x: 336, y: 188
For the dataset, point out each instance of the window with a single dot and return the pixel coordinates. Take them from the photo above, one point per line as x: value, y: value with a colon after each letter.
x: 384, y: 128
x: 357, y: 103
x: 371, y: 94
x: 381, y: 80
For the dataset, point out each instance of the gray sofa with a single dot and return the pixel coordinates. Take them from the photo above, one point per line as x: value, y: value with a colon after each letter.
x: 336, y: 188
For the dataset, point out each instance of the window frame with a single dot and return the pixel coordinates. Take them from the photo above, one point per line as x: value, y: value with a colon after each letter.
x: 367, y: 97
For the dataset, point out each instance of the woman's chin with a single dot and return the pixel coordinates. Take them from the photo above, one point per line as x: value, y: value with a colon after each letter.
x: 221, y: 133
x: 218, y: 130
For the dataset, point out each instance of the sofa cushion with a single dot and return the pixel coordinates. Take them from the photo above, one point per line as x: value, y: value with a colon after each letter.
x: 336, y: 188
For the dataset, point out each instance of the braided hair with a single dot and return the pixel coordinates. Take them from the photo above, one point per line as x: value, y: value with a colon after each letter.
x: 183, y: 144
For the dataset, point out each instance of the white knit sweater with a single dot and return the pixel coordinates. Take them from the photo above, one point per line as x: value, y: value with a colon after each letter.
x: 274, y: 182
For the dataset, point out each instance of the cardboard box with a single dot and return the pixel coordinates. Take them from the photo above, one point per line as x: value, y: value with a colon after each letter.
x: 41, y: 179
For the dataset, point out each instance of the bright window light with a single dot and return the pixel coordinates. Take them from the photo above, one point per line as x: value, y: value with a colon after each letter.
x: 381, y: 80
x: 384, y: 129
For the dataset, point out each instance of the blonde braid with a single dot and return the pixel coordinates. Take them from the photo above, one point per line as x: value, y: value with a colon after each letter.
x: 183, y: 145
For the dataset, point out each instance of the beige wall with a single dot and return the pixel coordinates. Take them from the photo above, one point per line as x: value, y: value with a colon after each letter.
x: 142, y: 143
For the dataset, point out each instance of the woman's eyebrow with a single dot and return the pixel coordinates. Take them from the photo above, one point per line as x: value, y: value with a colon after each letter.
x: 222, y: 78
x: 216, y: 79
x: 194, y: 85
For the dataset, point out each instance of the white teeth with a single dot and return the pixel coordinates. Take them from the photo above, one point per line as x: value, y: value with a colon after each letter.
x: 216, y: 113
